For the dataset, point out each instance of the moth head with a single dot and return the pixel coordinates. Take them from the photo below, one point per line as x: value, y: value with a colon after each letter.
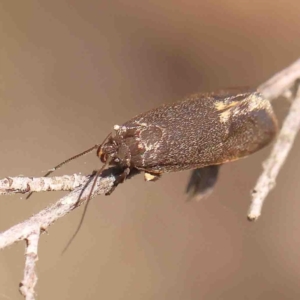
x: 108, y: 150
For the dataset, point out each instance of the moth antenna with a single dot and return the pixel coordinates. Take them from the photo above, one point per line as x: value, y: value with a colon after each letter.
x: 89, y: 197
x: 86, y: 206
x: 65, y: 162
x: 72, y: 158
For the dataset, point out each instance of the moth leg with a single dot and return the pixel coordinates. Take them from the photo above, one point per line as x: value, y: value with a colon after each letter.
x: 119, y: 179
x: 151, y: 176
x: 202, y: 182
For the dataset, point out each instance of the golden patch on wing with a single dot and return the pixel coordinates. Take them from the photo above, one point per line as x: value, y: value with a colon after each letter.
x: 250, y: 103
x: 225, y: 109
x: 225, y: 115
x: 221, y: 105
x: 256, y: 102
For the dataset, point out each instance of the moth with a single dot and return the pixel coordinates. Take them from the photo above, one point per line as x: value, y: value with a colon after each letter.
x: 200, y: 133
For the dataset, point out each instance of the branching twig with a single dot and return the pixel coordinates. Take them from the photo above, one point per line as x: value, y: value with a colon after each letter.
x: 266, y: 182
x: 30, y: 229
x: 46, y: 217
x: 273, y: 164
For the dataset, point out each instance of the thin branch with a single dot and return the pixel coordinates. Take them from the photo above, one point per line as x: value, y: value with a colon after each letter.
x: 30, y: 278
x: 281, y: 83
x: 273, y: 164
x: 47, y: 216
x: 13, y: 185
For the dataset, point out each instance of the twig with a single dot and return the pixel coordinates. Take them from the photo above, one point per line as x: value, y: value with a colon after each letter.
x: 30, y: 278
x: 46, y: 217
x: 273, y: 164
x: 12, y: 185
x: 279, y: 84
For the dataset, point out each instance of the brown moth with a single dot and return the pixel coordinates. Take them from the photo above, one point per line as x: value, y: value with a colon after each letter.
x: 203, y: 130
x: 200, y: 132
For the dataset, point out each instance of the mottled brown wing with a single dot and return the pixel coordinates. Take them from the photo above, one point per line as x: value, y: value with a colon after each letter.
x: 202, y: 130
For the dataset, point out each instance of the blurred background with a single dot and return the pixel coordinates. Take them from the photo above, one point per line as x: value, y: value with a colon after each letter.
x: 69, y: 71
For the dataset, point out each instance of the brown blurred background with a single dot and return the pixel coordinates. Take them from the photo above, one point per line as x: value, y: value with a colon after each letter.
x: 69, y: 71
